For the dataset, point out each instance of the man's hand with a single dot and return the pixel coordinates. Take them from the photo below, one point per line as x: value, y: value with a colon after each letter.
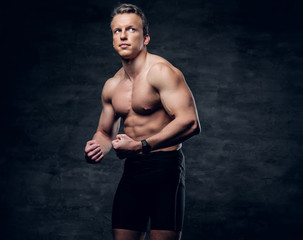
x: 93, y: 152
x: 124, y: 145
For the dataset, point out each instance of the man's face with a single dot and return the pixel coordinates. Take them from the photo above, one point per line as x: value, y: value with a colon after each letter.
x: 128, y: 39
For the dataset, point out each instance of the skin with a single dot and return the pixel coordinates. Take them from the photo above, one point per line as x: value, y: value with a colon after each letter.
x: 152, y: 99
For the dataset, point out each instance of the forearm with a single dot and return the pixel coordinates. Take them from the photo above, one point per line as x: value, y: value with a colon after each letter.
x: 104, y: 141
x: 177, y: 131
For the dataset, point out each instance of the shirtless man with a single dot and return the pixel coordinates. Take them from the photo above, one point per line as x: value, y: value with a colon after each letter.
x: 157, y: 108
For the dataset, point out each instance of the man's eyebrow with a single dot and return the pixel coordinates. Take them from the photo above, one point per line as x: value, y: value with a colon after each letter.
x: 127, y: 27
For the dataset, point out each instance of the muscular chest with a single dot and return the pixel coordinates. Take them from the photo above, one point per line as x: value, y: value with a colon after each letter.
x: 138, y: 97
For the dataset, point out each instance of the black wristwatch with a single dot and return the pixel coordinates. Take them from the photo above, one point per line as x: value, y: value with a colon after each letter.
x: 145, y: 147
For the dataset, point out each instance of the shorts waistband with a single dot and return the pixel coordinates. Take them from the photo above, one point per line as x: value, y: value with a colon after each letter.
x: 157, y: 154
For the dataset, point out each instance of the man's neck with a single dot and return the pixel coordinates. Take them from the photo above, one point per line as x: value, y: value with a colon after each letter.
x: 133, y: 67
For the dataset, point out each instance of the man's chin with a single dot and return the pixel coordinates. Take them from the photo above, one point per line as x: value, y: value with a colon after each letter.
x: 126, y: 56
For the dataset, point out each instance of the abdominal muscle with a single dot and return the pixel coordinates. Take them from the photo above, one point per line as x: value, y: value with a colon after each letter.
x: 140, y: 127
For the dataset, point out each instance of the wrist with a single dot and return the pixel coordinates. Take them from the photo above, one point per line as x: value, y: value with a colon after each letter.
x: 146, y: 148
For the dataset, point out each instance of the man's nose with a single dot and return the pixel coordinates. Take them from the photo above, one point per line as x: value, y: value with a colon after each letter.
x: 123, y: 35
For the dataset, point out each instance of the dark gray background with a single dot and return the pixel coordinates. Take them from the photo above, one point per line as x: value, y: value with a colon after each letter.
x: 243, y: 61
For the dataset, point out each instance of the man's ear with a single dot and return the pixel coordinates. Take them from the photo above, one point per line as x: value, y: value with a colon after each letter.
x: 146, y: 39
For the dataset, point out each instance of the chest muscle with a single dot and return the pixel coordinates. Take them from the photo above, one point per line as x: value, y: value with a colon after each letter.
x: 139, y: 98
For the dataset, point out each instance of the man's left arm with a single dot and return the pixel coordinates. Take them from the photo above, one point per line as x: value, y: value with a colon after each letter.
x: 179, y: 103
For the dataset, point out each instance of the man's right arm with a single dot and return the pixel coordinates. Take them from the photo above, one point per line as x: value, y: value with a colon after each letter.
x: 108, y: 128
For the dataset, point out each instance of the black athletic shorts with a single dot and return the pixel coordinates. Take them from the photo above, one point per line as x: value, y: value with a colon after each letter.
x: 152, y: 188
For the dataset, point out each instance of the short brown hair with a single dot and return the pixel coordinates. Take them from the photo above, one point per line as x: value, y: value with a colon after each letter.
x: 130, y: 8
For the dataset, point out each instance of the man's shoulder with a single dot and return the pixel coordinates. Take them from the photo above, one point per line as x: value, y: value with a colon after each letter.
x: 111, y: 84
x: 161, y: 69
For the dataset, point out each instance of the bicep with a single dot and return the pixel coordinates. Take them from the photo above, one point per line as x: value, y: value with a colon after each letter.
x: 176, y: 97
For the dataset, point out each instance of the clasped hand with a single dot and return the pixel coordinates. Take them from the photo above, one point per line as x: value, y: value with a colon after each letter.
x: 124, y: 145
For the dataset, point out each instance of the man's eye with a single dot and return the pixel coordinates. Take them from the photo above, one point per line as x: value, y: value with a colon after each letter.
x: 131, y: 29
x: 117, y: 31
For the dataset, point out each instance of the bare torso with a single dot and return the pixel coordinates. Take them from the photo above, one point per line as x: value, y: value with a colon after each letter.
x: 138, y: 103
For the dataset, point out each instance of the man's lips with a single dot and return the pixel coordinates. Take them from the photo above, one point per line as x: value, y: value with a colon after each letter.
x: 124, y: 45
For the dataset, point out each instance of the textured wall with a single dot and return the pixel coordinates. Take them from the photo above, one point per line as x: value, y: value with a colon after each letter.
x: 242, y: 60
